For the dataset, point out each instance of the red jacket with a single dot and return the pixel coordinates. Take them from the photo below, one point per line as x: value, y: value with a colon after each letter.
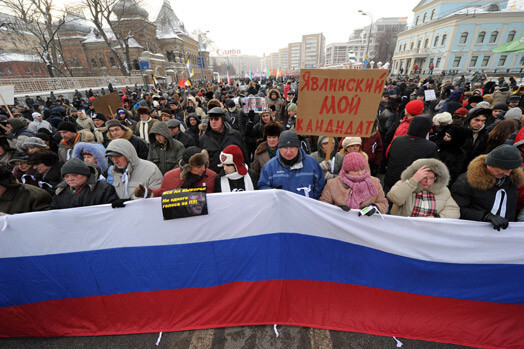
x: 372, y: 146
x: 172, y: 181
x: 401, y: 130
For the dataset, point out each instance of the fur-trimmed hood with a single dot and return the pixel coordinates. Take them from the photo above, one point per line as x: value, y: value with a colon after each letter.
x: 274, y: 90
x: 436, y: 166
x: 97, y: 150
x: 127, y: 134
x: 479, y: 177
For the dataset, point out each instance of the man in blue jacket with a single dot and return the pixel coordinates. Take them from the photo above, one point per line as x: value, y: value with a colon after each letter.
x: 292, y: 169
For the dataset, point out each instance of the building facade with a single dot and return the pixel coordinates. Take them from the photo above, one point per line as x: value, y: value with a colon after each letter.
x: 337, y: 54
x: 456, y: 37
x: 313, y: 51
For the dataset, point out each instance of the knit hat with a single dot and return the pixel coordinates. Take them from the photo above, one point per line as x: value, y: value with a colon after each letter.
x: 444, y: 118
x: 66, y: 126
x: 461, y: 111
x: 173, y: 123
x: 501, y: 106
x: 232, y: 155
x: 73, y: 110
x: 415, y: 108
x: 419, y: 126
x: 514, y: 98
x: 292, y: 107
x: 272, y: 129
x: 354, y: 161
x: 513, y: 114
x: 351, y: 141
x: 288, y: 139
x: 113, y: 123
x: 475, y: 99
x: 100, y: 116
x: 484, y: 104
x: 75, y: 166
x: 33, y: 142
x: 504, y: 156
x: 392, y: 92
x: 35, y: 115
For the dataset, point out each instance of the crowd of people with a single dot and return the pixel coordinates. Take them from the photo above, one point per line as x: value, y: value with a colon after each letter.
x: 455, y: 153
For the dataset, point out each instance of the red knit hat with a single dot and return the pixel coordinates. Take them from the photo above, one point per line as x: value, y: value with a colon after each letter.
x: 232, y: 155
x: 354, y: 162
x: 461, y: 112
x: 415, y: 108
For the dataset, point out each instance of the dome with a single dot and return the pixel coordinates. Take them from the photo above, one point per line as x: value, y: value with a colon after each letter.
x: 129, y: 9
x: 76, y: 23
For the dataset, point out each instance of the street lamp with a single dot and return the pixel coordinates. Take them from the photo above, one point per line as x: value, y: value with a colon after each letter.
x: 364, y: 13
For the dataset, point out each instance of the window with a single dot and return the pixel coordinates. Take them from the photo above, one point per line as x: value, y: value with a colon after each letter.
x: 416, y: 21
x: 93, y: 62
x: 102, y: 63
x: 456, y: 62
x: 444, y: 37
x: 438, y: 63
x: 424, y: 18
x: 473, y: 61
x: 480, y: 38
x: 493, y: 37
x: 37, y: 70
x: 400, y: 47
x: 10, y: 70
x: 418, y: 44
x: 411, y: 46
x: 463, y: 38
x: 502, y: 60
x: 436, y: 41
x: 28, y: 70
x: 521, y: 61
x: 112, y: 61
x: 432, y: 15
x: 2, y: 71
x: 485, y: 61
x: 426, y: 43
x: 511, y: 36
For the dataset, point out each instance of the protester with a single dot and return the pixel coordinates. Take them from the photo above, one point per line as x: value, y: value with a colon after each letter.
x: 17, y: 128
x: 34, y: 144
x: 129, y: 170
x: 235, y: 175
x: 38, y: 123
x: 488, y: 190
x: 292, y: 169
x: 70, y: 137
x: 20, y: 198
x: 81, y: 187
x: 85, y: 122
x: 164, y: 151
x: 119, y: 131
x: 422, y: 191
x: 145, y: 123
x: 332, y: 166
x: 268, y: 148
x: 92, y: 153
x: 476, y: 142
x: 48, y: 166
x: 354, y: 186
x: 177, y: 134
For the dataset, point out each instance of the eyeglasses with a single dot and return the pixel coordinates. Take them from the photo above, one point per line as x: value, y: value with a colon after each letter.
x: 429, y: 179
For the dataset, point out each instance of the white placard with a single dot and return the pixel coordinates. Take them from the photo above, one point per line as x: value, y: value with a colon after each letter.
x: 8, y: 94
x: 429, y: 95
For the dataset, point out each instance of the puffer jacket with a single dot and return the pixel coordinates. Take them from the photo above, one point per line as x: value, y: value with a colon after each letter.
x: 137, y: 172
x: 403, y: 193
x: 304, y: 178
x: 167, y: 155
x: 475, y: 191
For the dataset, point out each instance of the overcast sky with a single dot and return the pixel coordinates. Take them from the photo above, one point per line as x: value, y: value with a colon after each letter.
x: 266, y: 26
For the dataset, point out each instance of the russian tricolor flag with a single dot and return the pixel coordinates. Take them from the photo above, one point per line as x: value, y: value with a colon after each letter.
x: 265, y: 257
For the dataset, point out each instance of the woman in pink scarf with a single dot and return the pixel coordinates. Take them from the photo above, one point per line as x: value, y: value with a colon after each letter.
x: 355, y: 187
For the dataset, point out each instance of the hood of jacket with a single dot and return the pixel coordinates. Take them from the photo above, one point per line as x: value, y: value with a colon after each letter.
x: 459, y: 134
x: 436, y: 166
x: 479, y: 177
x: 159, y: 128
x: 455, y: 95
x: 95, y: 149
x: 419, y: 126
x: 275, y: 91
x: 127, y: 134
x: 124, y: 147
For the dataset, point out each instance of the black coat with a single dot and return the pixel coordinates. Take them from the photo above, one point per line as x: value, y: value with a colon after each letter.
x: 187, y: 140
x: 93, y: 194
x: 215, y: 142
x: 475, y: 191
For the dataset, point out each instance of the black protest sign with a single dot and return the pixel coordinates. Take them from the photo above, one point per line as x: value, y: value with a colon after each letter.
x: 184, y: 202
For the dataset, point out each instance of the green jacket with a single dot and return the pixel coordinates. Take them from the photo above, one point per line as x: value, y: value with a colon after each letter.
x: 166, y: 156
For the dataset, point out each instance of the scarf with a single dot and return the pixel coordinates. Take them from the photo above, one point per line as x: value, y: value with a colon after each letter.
x: 226, y: 188
x: 425, y: 205
x: 144, y: 130
x: 476, y: 133
x: 362, y: 188
x: 192, y: 179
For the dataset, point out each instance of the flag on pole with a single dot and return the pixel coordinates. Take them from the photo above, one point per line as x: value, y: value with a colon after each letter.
x: 218, y: 77
x: 228, y: 79
x: 154, y: 82
x: 182, y: 83
x: 189, y: 67
x: 278, y: 73
x: 250, y: 75
x: 188, y: 82
x: 267, y: 73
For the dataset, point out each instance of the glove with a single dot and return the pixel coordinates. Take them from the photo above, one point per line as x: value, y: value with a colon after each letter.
x: 278, y: 187
x: 368, y: 211
x: 140, y: 192
x: 344, y: 208
x: 497, y: 221
x: 119, y: 203
x: 325, y: 165
x: 251, y: 115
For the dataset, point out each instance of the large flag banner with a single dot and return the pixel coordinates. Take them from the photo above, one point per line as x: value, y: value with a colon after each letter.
x: 286, y: 260
x: 339, y: 102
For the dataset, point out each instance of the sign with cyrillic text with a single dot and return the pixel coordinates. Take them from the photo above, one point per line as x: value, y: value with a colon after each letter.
x: 339, y: 102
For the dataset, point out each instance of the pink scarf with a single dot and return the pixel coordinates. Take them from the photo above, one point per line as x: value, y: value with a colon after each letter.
x: 362, y: 188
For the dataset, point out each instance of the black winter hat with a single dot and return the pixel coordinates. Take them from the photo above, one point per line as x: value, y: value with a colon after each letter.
x: 66, y: 126
x: 504, y: 156
x: 216, y: 111
x: 288, y: 139
x: 501, y: 106
x: 100, y: 116
x: 75, y: 166
x: 188, y: 153
x: 419, y: 126
x: 45, y: 157
x: 230, y: 103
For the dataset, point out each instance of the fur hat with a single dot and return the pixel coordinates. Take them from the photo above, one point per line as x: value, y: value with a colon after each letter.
x: 415, y: 108
x: 292, y: 107
x: 66, y: 126
x: 442, y: 119
x: 354, y: 162
x: 351, y: 141
x: 513, y: 114
x: 475, y: 99
x: 193, y: 157
x: 232, y: 155
x: 288, y: 139
x: 143, y: 110
x: 33, y: 142
x: 75, y: 166
x: 113, y: 123
x: 272, y: 129
x: 45, y: 157
x: 504, y: 156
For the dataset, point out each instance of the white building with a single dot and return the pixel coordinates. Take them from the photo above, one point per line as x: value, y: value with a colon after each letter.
x: 337, y: 54
x: 313, y: 50
x: 459, y: 37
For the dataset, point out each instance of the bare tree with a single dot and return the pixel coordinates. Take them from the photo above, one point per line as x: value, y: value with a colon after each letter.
x: 208, y: 43
x: 385, y: 48
x: 103, y: 16
x: 37, y: 17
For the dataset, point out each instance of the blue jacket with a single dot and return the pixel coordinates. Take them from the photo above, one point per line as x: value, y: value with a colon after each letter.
x: 304, y: 178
